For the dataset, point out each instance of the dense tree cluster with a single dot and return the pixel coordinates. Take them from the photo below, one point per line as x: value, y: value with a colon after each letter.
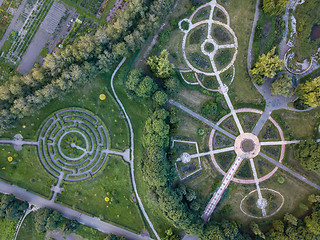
x: 79, y: 63
x: 267, y: 66
x: 160, y: 65
x: 309, y: 92
x: 308, y: 154
x: 282, y: 85
x: 12, y: 208
x: 274, y: 7
x: 308, y: 16
x: 47, y: 219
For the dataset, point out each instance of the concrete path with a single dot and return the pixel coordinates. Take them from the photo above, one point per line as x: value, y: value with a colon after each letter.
x: 222, y: 150
x: 218, y: 194
x: 69, y: 213
x: 199, y: 117
x: 255, y: 176
x: 274, y: 143
x: 13, y: 22
x: 132, y: 151
x: 278, y: 164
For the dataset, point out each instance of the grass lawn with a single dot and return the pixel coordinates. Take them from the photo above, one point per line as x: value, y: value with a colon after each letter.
x: 7, y: 228
x: 242, y: 91
x: 113, y: 182
x: 291, y: 204
x: 90, y: 233
x: 25, y: 170
x: 138, y: 113
x: 297, y: 125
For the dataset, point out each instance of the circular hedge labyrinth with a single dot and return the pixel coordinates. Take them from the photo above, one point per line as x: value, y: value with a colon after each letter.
x: 75, y: 142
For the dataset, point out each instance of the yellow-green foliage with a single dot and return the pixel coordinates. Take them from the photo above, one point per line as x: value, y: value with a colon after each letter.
x: 310, y: 92
x: 267, y: 66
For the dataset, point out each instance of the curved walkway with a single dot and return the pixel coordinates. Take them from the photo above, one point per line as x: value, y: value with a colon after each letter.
x: 132, y: 150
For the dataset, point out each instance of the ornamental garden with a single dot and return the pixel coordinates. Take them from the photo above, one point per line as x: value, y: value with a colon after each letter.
x: 217, y: 138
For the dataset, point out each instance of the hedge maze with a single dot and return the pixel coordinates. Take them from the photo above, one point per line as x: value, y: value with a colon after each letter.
x: 90, y: 148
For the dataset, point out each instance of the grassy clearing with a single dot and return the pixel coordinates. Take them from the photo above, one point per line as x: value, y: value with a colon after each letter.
x: 90, y: 233
x: 291, y: 205
x: 242, y: 91
x: 25, y: 170
x: 113, y: 182
x: 297, y: 125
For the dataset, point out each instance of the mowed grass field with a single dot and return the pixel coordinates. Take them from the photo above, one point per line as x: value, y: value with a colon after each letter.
x: 242, y: 91
x: 27, y: 172
x: 115, y: 184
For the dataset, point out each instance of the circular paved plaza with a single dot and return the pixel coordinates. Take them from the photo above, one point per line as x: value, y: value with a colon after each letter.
x: 73, y: 141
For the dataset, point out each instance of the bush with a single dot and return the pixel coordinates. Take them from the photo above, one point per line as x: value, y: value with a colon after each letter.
x: 281, y: 179
x: 209, y: 108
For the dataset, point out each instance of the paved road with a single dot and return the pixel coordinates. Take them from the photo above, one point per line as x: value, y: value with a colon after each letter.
x: 206, y: 121
x: 278, y: 164
x: 13, y: 22
x: 256, y: 17
x: 132, y: 151
x: 93, y: 222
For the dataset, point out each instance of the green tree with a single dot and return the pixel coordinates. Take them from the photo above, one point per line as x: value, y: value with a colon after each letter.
x: 11, y: 208
x: 291, y: 219
x: 160, y: 98
x: 308, y: 154
x: 256, y: 230
x: 282, y: 86
x: 160, y: 65
x: 267, y: 66
x: 309, y: 92
x: 209, y: 108
x: 171, y: 85
x: 274, y: 7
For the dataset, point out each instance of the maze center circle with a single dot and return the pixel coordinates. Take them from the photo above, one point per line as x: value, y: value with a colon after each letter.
x: 73, y: 145
x: 73, y: 142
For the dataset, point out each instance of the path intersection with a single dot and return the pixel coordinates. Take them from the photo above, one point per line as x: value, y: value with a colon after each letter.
x: 247, y: 145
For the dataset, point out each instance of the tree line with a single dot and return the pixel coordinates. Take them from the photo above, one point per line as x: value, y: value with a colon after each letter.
x: 79, y: 63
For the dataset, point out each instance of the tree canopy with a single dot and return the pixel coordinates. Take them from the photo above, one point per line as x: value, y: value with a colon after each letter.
x: 309, y: 92
x: 12, y: 208
x: 160, y: 65
x: 267, y: 66
x: 308, y: 154
x: 282, y: 86
x: 274, y: 7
